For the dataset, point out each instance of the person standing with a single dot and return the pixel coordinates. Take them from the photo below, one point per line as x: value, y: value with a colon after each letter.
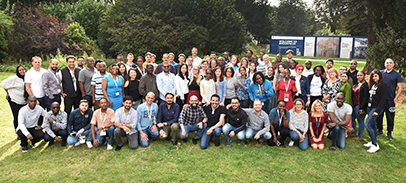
x: 131, y: 88
x: 302, y: 85
x: 14, y: 87
x: 28, y: 127
x: 308, y: 69
x: 167, y: 119
x: 51, y: 84
x: 113, y: 87
x: 33, y: 83
x: 102, y: 126
x: 360, y: 94
x: 243, y: 85
x: 188, y: 120
x: 289, y: 54
x: 330, y: 88
x: 261, y: 88
x: 207, y: 87
x: 165, y: 82
x: 182, y: 85
x: 393, y: 79
x: 286, y: 89
x: 194, y: 84
x: 346, y: 88
x: 139, y: 68
x: 126, y: 124
x: 263, y: 67
x: 70, y: 85
x: 85, y: 80
x: 220, y: 83
x: 353, y: 72
x: 196, y: 59
x: 130, y: 61
x: 231, y: 85
x: 316, y: 82
x: 148, y: 82
x: 216, y: 117
x: 97, y: 91
x: 147, y: 113
x: 79, y: 124
x: 80, y: 62
x: 55, y: 125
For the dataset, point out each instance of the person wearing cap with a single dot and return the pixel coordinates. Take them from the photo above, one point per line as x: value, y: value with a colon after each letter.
x: 167, y: 119
x: 302, y: 84
x: 308, y: 69
x: 329, y: 65
x: 289, y: 54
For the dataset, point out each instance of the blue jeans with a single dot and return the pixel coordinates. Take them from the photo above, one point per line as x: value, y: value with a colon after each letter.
x: 295, y: 137
x: 360, y: 119
x: 102, y: 139
x: 266, y: 104
x: 250, y: 133
x: 338, y: 136
x: 371, y: 124
x: 136, y: 104
x: 193, y: 128
x: 73, y: 140
x: 150, y: 134
x: 227, y: 128
x: 62, y: 133
x: 204, y: 143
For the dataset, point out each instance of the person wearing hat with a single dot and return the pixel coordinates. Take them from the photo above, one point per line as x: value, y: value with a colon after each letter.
x: 302, y: 84
x: 289, y: 54
x: 308, y: 69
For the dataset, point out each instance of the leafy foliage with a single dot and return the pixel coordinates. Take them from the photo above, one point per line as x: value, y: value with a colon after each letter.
x: 292, y: 18
x: 77, y: 35
x: 6, y: 26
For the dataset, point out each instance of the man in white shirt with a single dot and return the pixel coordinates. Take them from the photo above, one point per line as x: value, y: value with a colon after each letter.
x: 264, y: 66
x: 308, y: 70
x: 339, y: 114
x: 196, y: 60
x: 33, y: 82
x: 165, y: 82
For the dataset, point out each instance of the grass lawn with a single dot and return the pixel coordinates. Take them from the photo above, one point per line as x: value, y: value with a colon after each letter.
x: 161, y: 162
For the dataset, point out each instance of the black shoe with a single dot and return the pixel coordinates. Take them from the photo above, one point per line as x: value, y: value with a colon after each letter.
x: 380, y: 133
x: 63, y: 144
x: 153, y: 139
x: 217, y: 143
x: 24, y: 148
x: 283, y: 146
x: 389, y: 135
x: 184, y: 140
x: 50, y: 143
x: 118, y: 148
x: 175, y: 143
x: 195, y: 141
x: 247, y: 142
x: 168, y: 139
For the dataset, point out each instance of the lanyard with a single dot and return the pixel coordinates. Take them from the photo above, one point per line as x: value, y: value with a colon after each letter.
x: 260, y: 91
x: 142, y: 72
x: 318, y: 125
x: 105, y: 115
x: 286, y: 86
x: 116, y: 81
x: 149, y: 112
x: 279, y: 118
x: 54, y: 75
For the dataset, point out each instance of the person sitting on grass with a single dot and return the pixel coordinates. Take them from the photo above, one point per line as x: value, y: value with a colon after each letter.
x: 299, y: 124
x: 340, y: 115
x: 146, y: 127
x: 258, y: 124
x: 28, y: 128
x: 126, y: 124
x: 102, y: 126
x: 167, y: 119
x: 188, y: 120
x: 216, y: 115
x: 279, y: 120
x: 317, y: 124
x: 79, y: 124
x: 237, y: 122
x: 55, y: 125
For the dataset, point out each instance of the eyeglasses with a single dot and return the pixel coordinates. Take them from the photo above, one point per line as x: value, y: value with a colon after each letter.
x: 234, y: 103
x: 353, y: 63
x: 193, y: 100
x: 300, y: 69
x: 299, y: 104
x: 165, y: 66
x: 229, y: 71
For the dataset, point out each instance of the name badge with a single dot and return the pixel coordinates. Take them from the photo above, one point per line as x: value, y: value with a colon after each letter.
x: 286, y: 97
x: 87, y: 116
x: 103, y: 133
x: 59, y: 90
x: 117, y: 94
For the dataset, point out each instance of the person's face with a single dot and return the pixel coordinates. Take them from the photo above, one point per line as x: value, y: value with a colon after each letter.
x: 102, y: 68
x: 32, y: 102
x: 193, y: 102
x: 344, y: 78
x: 333, y: 74
x: 54, y: 65
x: 122, y: 69
x: 242, y: 71
x: 132, y: 74
x: 214, y: 102
x: 169, y: 99
x: 281, y: 106
x: 340, y: 100
x: 257, y: 106
x: 153, y: 59
x: 150, y: 69
x: 103, y: 104
x: 266, y: 60
x: 120, y: 59
x: 209, y: 75
x: 318, y: 107
x: 254, y: 58
x: 353, y: 65
x: 261, y: 55
x: 213, y: 63
x: 220, y: 62
x: 166, y: 67
x: 249, y: 54
x: 114, y: 70
x: 181, y: 59
x: 298, y: 105
x: 21, y: 71
x: 218, y: 73
x: 360, y: 77
x: 234, y: 60
x: 226, y: 55
x: 165, y: 58
x: 292, y: 64
x: 139, y: 62
x: 80, y: 62
x: 280, y: 67
x: 389, y: 65
x: 308, y: 65
x: 375, y: 77
x: 127, y: 104
x: 83, y: 107
x: 183, y: 69
x: 259, y: 80
x: 36, y: 63
x: 342, y: 69
x: 195, y: 70
x: 149, y: 98
x: 329, y: 65
x: 289, y: 55
x: 299, y: 70
x: 130, y: 58
x: 90, y: 62
x: 204, y: 65
x: 286, y: 74
x: 278, y: 57
x: 171, y: 58
x: 71, y: 63
x: 194, y: 52
x: 55, y: 108
x: 229, y: 72
x: 190, y: 61
x: 213, y: 56
x: 148, y: 58
x: 235, y: 104
x: 244, y: 63
x: 317, y: 71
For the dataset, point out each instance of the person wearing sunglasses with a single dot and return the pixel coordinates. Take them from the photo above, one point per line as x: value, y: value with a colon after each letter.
x: 302, y: 85
x: 165, y: 82
x: 55, y: 125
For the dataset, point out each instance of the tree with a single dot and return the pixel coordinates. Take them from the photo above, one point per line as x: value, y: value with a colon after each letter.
x: 257, y: 17
x: 292, y: 18
x: 331, y: 12
x: 6, y: 26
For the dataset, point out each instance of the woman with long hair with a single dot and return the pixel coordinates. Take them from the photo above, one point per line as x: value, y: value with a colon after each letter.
x: 204, y: 66
x: 122, y: 71
x: 244, y: 62
x: 231, y: 85
x: 140, y: 69
x: 131, y: 88
x: 113, y: 87
x: 317, y: 124
x: 194, y: 83
x: 243, y: 83
x: 182, y: 85
x: 360, y: 101
x: 330, y: 88
x: 251, y: 71
x: 220, y: 84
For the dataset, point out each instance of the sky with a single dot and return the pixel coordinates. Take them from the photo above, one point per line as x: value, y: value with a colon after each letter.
x: 276, y: 2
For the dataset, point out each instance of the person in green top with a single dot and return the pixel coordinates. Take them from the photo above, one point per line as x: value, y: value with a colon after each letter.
x: 346, y: 88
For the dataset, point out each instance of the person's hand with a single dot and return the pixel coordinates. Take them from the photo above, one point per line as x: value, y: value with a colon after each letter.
x: 315, y: 139
x: 301, y: 138
x: 37, y: 102
x: 160, y: 125
x: 7, y: 96
x: 183, y: 133
x: 38, y: 128
x: 231, y: 134
x: 209, y: 131
x: 29, y: 137
x: 63, y: 95
x: 275, y: 139
x: 161, y: 133
x: 263, y: 89
x: 200, y: 125
x: 51, y: 120
x: 257, y: 136
x: 51, y: 96
x: 80, y: 131
x: 119, y: 124
x: 222, y: 103
x: 58, y: 139
x: 110, y: 103
x: 239, y: 82
x: 72, y: 134
x: 154, y: 128
x: 126, y: 129
x: 98, y: 132
x: 228, y: 106
x: 375, y: 114
x: 308, y: 103
x: 331, y: 125
x: 200, y: 103
x: 95, y: 142
x: 94, y: 102
x: 144, y: 137
x: 185, y: 106
x: 206, y: 104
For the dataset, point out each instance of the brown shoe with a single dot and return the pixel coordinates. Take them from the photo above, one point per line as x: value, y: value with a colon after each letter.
x: 358, y: 138
x: 260, y: 142
x: 352, y: 135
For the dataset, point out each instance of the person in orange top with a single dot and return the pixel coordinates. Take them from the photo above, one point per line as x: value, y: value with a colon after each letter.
x: 102, y: 126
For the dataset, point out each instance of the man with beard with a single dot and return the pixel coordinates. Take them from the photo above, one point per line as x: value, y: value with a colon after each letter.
x: 353, y: 72
x: 196, y: 59
x: 216, y: 116
x: 339, y: 114
x: 159, y: 68
x: 147, y: 127
x: 309, y: 71
x: 226, y: 58
x: 167, y: 119
x: 258, y: 125
x: 97, y: 92
x: 55, y: 125
x: 237, y: 122
x: 275, y: 63
x: 51, y: 84
x: 85, y: 80
x: 70, y: 85
x: 102, y: 126
x: 80, y: 62
x: 188, y: 120
x: 148, y: 82
x: 329, y: 65
x: 79, y: 124
x: 126, y: 124
x: 165, y: 82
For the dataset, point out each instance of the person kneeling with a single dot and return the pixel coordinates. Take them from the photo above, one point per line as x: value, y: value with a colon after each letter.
x: 258, y: 125
x: 188, y: 120
x: 126, y: 124
x: 102, y: 125
x: 168, y: 114
x: 299, y: 124
x: 216, y: 115
x: 146, y: 127
x: 79, y: 124
x: 55, y: 125
x: 237, y: 122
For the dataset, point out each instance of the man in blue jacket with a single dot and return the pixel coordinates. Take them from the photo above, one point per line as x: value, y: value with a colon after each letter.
x: 79, y: 124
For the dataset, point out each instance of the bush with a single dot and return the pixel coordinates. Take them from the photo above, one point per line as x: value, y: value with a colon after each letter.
x: 77, y: 35
x: 6, y: 26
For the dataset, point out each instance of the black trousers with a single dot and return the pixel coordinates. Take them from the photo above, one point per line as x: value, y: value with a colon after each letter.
x: 43, y: 104
x: 38, y: 135
x: 180, y: 102
x: 14, y: 108
x: 389, y: 111
x: 89, y: 100
x: 312, y: 99
x: 245, y: 103
x: 70, y: 102
x: 284, y: 133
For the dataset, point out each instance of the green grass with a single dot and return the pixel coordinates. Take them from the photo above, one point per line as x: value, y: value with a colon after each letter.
x: 161, y: 162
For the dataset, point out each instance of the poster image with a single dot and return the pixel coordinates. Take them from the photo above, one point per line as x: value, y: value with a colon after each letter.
x: 360, y: 47
x: 327, y: 47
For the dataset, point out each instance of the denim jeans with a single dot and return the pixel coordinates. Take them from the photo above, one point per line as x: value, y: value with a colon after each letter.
x: 266, y: 104
x: 295, y: 137
x: 193, y: 128
x: 136, y: 104
x: 62, y: 133
x: 371, y: 124
x: 102, y: 139
x: 73, y: 140
x: 227, y: 128
x: 338, y: 136
x: 360, y: 119
x: 150, y: 134
x: 250, y: 133
x: 204, y: 143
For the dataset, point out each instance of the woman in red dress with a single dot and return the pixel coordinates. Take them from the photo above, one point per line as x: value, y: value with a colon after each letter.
x: 318, y: 121
x: 286, y: 89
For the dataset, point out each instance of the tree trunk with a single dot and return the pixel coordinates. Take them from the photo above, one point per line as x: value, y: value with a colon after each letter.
x: 373, y: 20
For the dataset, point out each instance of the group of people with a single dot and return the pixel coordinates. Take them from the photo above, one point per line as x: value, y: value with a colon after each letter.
x: 248, y: 98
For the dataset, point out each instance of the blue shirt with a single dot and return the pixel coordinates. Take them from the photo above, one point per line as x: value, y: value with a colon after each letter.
x: 165, y: 84
x: 78, y: 121
x: 275, y: 116
x: 255, y: 91
x: 170, y: 115
x: 146, y: 115
x: 391, y: 79
x: 221, y: 89
x: 114, y: 86
x: 242, y: 92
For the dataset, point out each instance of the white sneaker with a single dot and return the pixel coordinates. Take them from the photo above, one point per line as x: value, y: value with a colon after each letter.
x: 291, y: 143
x: 109, y: 147
x: 82, y: 139
x: 77, y: 143
x: 89, y: 144
x: 369, y: 144
x: 373, y: 148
